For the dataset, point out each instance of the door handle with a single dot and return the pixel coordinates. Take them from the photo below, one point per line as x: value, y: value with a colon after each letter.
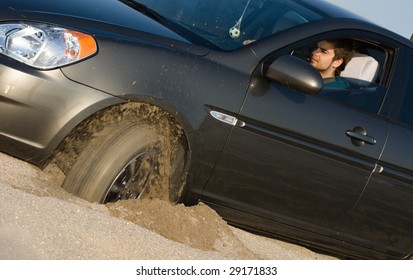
x: 359, y: 136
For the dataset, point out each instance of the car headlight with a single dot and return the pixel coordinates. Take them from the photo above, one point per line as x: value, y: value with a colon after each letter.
x: 44, y: 46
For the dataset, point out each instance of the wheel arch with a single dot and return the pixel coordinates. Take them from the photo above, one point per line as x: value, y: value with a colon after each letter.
x: 73, y: 144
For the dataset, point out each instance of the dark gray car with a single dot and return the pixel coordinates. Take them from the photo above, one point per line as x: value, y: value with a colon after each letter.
x: 215, y: 101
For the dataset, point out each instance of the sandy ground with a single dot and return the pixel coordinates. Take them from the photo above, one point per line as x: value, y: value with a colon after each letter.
x: 39, y: 220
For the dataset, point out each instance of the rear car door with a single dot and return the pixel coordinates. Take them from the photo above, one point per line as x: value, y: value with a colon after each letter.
x: 293, y: 162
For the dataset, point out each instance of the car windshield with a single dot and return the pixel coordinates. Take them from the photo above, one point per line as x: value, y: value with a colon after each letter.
x: 226, y: 25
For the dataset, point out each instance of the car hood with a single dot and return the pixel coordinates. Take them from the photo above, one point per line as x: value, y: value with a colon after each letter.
x: 111, y: 12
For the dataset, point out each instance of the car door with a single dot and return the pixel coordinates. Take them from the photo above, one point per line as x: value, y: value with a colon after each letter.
x: 383, y: 218
x: 292, y: 161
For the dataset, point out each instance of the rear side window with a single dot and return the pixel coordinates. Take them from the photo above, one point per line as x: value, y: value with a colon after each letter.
x: 406, y: 109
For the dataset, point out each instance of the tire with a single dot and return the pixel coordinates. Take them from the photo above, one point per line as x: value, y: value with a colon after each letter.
x: 128, y: 160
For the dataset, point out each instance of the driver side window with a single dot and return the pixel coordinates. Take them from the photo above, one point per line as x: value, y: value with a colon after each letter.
x: 362, y: 95
x: 359, y: 83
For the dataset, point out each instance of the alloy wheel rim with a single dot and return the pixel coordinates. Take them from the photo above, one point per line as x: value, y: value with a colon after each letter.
x: 133, y: 180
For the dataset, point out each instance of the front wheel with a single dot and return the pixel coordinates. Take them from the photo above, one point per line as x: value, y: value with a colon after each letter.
x: 126, y: 161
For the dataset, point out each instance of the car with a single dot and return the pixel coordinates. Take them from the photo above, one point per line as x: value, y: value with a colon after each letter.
x: 215, y: 102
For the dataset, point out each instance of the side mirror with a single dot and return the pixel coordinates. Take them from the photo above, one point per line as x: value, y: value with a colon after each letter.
x: 295, y: 73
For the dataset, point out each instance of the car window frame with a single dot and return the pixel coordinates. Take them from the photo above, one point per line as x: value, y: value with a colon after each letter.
x: 390, y: 50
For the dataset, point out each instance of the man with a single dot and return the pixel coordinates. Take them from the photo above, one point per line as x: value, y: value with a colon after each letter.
x: 330, y: 57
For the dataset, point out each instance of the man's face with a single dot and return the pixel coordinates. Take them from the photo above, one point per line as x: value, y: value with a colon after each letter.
x: 322, y: 59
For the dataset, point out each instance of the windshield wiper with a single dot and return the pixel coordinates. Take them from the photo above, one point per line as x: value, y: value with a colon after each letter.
x: 145, y: 10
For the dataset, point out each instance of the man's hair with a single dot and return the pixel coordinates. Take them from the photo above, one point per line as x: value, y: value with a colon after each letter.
x: 343, y: 49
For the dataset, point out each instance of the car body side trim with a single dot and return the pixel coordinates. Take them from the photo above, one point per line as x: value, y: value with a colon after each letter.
x: 363, y: 163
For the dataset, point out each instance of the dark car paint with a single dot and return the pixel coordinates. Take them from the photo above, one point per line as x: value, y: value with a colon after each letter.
x: 110, y: 12
x: 379, y: 201
x: 179, y: 86
x: 42, y: 109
